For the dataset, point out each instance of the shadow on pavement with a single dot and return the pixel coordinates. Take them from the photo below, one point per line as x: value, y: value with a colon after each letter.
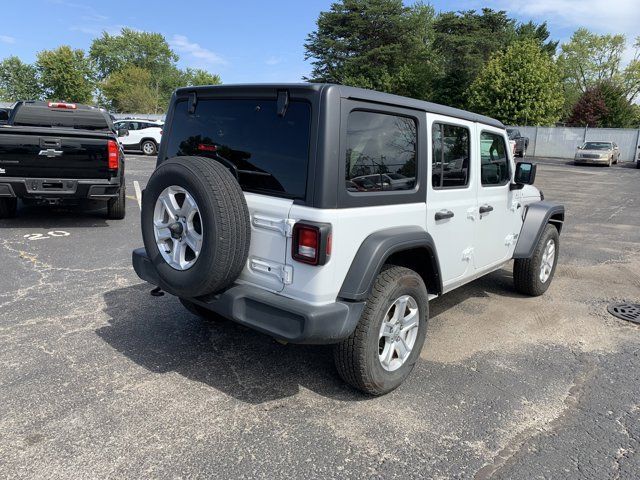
x: 54, y: 217
x: 159, y: 334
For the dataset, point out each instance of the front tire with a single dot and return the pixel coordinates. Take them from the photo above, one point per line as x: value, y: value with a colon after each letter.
x: 149, y: 147
x: 532, y: 276
x: 8, y: 207
x: 382, y: 351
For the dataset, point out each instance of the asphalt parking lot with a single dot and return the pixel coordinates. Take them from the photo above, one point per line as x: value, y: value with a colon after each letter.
x: 99, y: 379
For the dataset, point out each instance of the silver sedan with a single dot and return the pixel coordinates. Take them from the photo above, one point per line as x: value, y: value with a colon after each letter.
x: 602, y: 153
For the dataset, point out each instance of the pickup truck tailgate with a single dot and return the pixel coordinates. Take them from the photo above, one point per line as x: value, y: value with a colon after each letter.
x: 36, y: 153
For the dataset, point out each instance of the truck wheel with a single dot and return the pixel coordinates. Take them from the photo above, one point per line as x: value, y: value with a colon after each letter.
x: 532, y: 276
x: 8, y: 207
x: 198, y: 311
x: 195, y: 226
x: 116, y: 207
x: 149, y: 147
x: 386, y: 344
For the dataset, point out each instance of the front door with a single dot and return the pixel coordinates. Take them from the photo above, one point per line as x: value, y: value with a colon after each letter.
x: 451, y: 197
x: 498, y: 210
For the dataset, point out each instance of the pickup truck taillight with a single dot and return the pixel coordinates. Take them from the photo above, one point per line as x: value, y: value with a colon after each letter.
x: 113, y: 154
x: 311, y: 242
x: 68, y: 106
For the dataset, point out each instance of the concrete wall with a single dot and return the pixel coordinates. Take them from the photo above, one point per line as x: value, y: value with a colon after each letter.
x: 561, y: 142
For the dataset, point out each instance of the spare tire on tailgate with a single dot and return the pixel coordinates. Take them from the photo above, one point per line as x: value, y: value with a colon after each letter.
x: 195, y: 225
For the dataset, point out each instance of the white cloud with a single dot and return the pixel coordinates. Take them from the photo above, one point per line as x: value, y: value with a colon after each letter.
x: 96, y: 30
x: 273, y: 60
x: 7, y: 39
x: 599, y: 16
x: 197, y: 56
x: 610, y: 16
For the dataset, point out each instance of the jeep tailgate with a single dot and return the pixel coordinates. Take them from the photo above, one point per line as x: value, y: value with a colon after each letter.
x: 35, y: 152
x: 270, y: 227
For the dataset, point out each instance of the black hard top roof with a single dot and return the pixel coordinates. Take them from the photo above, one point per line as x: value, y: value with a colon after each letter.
x: 353, y: 93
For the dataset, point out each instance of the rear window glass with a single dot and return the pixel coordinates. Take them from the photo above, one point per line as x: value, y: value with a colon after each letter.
x: 38, y: 115
x: 270, y: 153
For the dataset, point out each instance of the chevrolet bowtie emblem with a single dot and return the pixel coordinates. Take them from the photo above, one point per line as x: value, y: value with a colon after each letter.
x: 50, y: 152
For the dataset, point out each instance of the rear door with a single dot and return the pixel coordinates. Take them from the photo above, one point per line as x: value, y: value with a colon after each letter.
x: 269, y: 154
x: 451, y: 196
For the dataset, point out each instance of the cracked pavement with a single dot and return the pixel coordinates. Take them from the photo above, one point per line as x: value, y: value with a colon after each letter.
x: 98, y: 379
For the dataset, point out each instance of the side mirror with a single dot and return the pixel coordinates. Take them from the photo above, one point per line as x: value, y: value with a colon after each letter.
x: 4, y: 115
x: 525, y: 173
x: 122, y: 131
x: 579, y: 147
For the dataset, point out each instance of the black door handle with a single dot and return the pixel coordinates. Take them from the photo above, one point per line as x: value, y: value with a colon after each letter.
x: 443, y: 214
x: 486, y: 209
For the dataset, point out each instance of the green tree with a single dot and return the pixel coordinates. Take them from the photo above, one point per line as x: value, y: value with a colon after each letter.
x: 378, y: 44
x: 466, y: 41
x: 539, y: 33
x: 65, y: 74
x: 147, y: 50
x: 130, y: 90
x: 620, y: 111
x: 589, y: 59
x: 18, y: 80
x: 519, y: 86
x: 196, y: 76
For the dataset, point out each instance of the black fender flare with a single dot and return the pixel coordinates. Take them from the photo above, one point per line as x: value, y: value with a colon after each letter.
x: 537, y: 216
x: 374, y: 252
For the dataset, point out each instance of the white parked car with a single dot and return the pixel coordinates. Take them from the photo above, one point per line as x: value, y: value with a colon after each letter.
x: 261, y: 209
x: 138, y: 134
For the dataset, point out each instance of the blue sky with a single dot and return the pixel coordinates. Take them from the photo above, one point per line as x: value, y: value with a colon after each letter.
x: 254, y: 41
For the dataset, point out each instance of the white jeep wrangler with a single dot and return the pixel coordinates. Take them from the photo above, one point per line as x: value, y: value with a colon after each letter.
x: 264, y: 209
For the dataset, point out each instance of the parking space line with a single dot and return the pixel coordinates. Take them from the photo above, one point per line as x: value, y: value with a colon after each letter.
x: 136, y: 187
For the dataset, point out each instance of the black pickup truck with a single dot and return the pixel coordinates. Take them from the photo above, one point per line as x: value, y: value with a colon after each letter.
x: 56, y: 152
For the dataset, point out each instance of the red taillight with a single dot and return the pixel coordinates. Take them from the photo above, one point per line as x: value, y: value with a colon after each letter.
x: 68, y: 106
x: 113, y: 154
x: 311, y: 242
x: 207, y: 147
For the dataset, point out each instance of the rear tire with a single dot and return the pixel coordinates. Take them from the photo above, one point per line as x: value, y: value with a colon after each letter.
x: 8, y: 207
x: 359, y: 358
x: 528, y: 277
x: 149, y: 147
x: 117, y: 207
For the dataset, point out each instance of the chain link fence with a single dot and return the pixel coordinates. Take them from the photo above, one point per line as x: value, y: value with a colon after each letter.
x: 561, y: 142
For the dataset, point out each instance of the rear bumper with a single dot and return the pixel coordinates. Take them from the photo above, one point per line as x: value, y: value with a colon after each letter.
x: 59, y: 188
x: 267, y: 312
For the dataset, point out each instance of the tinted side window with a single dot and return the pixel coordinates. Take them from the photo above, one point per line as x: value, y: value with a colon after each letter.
x: 450, y: 156
x: 494, y: 160
x: 381, y: 152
